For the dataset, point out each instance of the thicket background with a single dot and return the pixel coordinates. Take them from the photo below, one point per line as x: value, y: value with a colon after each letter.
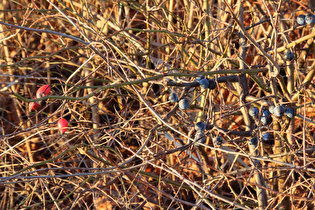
x: 112, y: 65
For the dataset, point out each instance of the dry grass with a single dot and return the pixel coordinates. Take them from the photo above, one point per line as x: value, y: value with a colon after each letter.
x: 112, y: 65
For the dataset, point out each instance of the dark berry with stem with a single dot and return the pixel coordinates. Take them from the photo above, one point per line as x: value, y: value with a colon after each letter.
x: 271, y: 108
x: 289, y: 112
x: 288, y: 55
x: 266, y: 136
x: 212, y: 84
x: 253, y: 111
x: 253, y: 142
x: 256, y: 163
x: 218, y: 141
x: 198, y: 78
x: 200, y: 137
x: 200, y: 126
x: 279, y: 111
x: 310, y: 19
x: 265, y: 120
x: 266, y: 113
x: 300, y: 19
x: 183, y: 103
x: 173, y: 97
x: 204, y: 83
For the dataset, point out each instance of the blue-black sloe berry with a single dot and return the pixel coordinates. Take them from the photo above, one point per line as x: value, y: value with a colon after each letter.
x: 218, y: 141
x: 173, y: 97
x: 266, y: 113
x: 265, y: 120
x: 200, y: 126
x: 289, y: 112
x: 183, y: 103
x: 310, y: 19
x: 253, y: 142
x: 271, y: 108
x: 279, y: 111
x: 200, y: 137
x: 253, y: 111
x: 204, y: 83
x: 198, y: 78
x: 212, y: 84
x: 288, y: 55
x: 300, y: 19
x: 266, y: 136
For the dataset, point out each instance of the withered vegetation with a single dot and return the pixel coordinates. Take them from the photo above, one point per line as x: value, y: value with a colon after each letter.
x: 111, y: 67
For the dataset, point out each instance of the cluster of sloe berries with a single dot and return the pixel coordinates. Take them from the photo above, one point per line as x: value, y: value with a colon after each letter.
x: 266, y: 116
x: 206, y: 83
x: 200, y: 137
x: 301, y: 20
x: 203, y: 83
x: 306, y: 19
x: 183, y: 103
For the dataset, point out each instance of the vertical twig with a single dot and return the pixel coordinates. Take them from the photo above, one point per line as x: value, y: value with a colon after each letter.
x: 148, y: 61
x: 169, y: 27
x: 242, y: 88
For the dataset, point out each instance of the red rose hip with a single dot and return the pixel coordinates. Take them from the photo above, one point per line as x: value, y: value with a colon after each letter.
x: 43, y: 91
x: 33, y: 106
x: 63, y: 125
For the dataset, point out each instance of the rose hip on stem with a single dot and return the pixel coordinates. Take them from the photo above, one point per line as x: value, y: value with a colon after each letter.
x: 33, y: 106
x: 43, y: 91
x: 62, y: 125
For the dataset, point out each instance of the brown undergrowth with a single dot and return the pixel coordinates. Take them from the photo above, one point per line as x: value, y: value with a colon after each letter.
x: 112, y: 66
